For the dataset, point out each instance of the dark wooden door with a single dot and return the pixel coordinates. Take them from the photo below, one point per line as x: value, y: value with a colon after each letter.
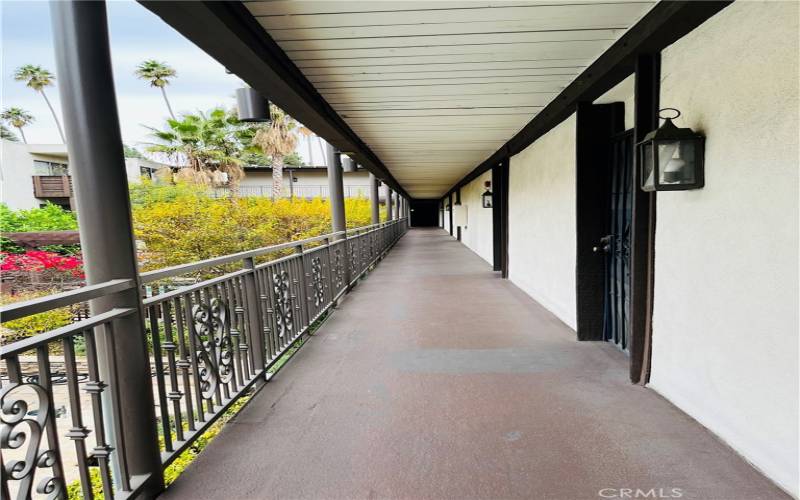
x: 617, y: 244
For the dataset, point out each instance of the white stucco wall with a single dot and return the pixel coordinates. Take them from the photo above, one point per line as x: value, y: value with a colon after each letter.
x: 725, y: 320
x: 541, y: 218
x: 133, y: 168
x: 477, y: 233
x: 310, y: 182
x: 16, y: 168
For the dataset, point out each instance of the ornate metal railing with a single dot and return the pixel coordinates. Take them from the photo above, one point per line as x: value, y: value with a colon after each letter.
x: 30, y: 435
x: 210, y: 341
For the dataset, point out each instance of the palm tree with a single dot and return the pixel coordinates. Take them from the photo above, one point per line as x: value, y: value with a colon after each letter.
x: 17, y: 118
x: 277, y: 141
x: 6, y: 134
x: 38, y: 78
x: 206, y: 145
x: 158, y: 74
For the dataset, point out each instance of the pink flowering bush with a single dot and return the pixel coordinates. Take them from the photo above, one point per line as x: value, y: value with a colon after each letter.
x: 38, y: 261
x: 33, y: 274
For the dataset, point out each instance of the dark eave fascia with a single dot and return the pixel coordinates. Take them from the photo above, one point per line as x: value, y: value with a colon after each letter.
x: 229, y: 33
x: 662, y: 26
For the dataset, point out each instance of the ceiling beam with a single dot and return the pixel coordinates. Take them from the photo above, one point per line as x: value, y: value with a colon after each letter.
x: 664, y: 24
x: 229, y: 33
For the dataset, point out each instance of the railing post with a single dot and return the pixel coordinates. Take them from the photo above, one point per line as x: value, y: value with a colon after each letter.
x: 89, y: 106
x: 331, y: 281
x: 254, y: 314
x: 374, y: 202
x: 305, y: 313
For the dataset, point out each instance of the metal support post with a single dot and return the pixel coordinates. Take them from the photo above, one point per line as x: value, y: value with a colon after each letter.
x: 335, y: 188
x: 374, y: 201
x: 387, y: 193
x: 88, y: 101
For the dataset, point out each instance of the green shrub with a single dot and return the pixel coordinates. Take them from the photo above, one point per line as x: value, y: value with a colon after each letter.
x: 74, y: 491
x: 48, y: 218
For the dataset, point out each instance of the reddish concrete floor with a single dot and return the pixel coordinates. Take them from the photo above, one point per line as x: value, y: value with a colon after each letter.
x: 437, y: 379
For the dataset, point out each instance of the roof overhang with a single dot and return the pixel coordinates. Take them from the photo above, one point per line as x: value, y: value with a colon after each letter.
x: 47, y: 149
x: 429, y: 95
x: 230, y: 34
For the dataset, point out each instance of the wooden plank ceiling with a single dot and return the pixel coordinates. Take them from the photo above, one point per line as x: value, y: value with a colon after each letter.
x: 434, y: 88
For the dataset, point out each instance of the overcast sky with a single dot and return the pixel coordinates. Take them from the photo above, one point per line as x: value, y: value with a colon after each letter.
x: 136, y: 34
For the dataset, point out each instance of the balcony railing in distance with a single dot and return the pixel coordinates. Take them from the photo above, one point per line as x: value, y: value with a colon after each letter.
x: 210, y: 340
x: 297, y: 191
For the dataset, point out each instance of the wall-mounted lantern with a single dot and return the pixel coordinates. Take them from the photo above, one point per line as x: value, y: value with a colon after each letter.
x: 251, y: 106
x: 671, y: 158
x: 487, y: 196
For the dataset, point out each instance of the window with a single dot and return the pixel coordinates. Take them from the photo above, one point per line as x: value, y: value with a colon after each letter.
x: 147, y: 172
x: 41, y: 167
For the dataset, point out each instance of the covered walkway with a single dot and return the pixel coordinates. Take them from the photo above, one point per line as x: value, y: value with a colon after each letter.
x: 437, y: 379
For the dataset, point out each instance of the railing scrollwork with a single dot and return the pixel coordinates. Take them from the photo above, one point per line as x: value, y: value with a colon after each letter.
x: 317, y: 286
x: 338, y: 265
x: 215, y: 357
x: 283, y: 303
x: 25, y: 427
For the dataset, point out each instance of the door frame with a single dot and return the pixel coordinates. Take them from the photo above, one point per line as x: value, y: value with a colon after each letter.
x: 500, y: 217
x: 595, y: 125
x: 450, y: 212
x: 647, y: 90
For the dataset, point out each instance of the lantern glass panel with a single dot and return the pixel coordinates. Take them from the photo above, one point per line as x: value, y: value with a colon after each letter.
x: 676, y: 162
x: 487, y: 199
x: 647, y: 167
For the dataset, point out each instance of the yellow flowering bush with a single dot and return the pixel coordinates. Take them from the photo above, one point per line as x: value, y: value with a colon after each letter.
x: 28, y: 326
x: 192, y: 226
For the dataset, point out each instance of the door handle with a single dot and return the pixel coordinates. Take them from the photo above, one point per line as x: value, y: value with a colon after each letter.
x: 605, y: 244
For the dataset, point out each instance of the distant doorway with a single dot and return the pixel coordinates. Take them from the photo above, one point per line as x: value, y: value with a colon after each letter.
x: 424, y: 213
